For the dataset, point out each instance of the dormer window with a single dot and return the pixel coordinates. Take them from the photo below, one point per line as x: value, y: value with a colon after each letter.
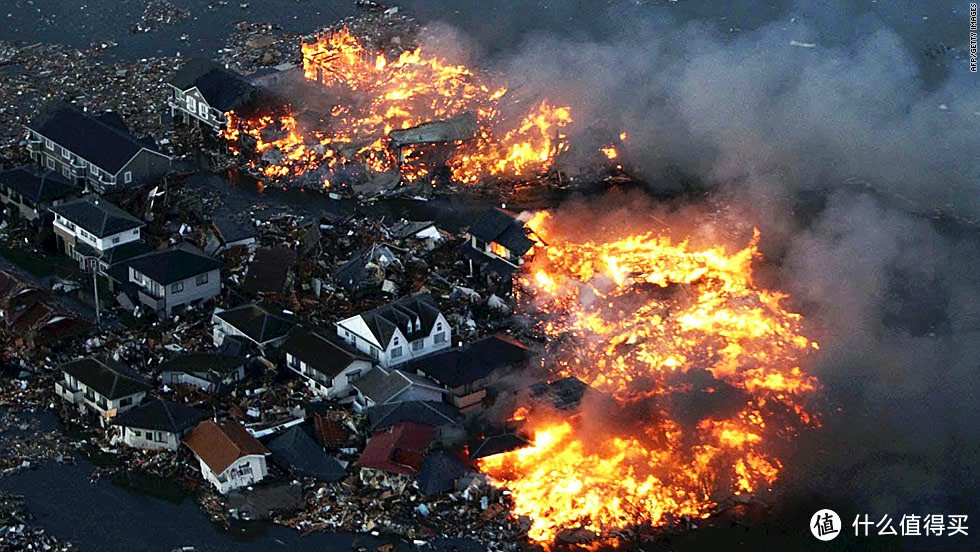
x: 439, y: 327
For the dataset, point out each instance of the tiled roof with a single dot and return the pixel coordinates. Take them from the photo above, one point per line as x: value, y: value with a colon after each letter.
x: 220, y: 444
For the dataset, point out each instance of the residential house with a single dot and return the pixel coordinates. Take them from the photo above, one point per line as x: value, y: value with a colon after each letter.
x: 383, y: 386
x: 327, y: 363
x: 399, y: 449
x: 368, y: 269
x: 468, y: 371
x: 96, y: 151
x: 29, y: 191
x: 227, y: 233
x: 157, y: 424
x: 101, y: 385
x: 169, y: 280
x: 497, y: 243
x: 409, y: 232
x: 203, y: 92
x: 87, y: 227
x: 439, y: 471
x: 230, y: 458
x: 266, y: 326
x: 432, y: 413
x: 392, y: 334
x: 209, y: 372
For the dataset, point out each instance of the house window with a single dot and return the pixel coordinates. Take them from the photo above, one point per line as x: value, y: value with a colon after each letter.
x: 439, y: 326
x: 49, y: 144
x: 353, y: 375
x: 202, y: 110
x: 396, y: 352
x: 66, y: 172
x: 417, y: 345
x: 137, y: 433
x: 128, y: 177
x: 177, y: 287
x: 440, y: 337
x: 375, y: 353
x: 191, y: 104
x: 115, y: 239
x: 128, y: 401
x: 202, y: 279
x: 65, y: 153
x: 136, y: 232
x: 179, y: 94
x: 94, y: 170
x: 49, y: 162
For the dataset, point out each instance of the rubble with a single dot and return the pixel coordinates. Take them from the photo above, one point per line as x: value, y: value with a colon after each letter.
x: 158, y: 13
x: 18, y: 533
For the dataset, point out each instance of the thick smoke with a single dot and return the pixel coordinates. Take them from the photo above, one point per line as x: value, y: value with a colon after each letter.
x: 854, y: 121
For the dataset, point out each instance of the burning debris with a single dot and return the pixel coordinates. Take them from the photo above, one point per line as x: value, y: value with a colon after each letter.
x: 412, y: 113
x: 663, y: 327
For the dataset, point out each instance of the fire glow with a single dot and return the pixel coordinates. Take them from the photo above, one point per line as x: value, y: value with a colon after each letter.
x: 401, y: 93
x: 656, y: 327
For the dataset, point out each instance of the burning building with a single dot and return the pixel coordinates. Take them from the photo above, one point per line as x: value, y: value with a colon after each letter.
x: 415, y: 116
x: 705, y: 367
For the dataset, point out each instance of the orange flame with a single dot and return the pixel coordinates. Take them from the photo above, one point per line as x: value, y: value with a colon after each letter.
x: 639, y: 319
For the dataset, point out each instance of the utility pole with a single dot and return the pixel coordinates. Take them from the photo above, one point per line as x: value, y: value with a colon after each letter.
x: 95, y: 288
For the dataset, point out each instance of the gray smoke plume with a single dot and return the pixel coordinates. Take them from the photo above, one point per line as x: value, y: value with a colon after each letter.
x: 833, y: 102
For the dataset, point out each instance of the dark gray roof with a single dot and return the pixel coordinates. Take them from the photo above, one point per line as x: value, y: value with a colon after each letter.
x: 223, y: 89
x: 97, y: 216
x: 497, y: 225
x: 496, y: 444
x: 476, y: 361
x: 430, y: 413
x: 173, y: 265
x: 259, y: 322
x: 110, y: 379
x: 269, y: 270
x: 297, y: 450
x: 439, y: 472
x: 408, y: 228
x: 124, y: 252
x: 381, y: 386
x: 563, y: 394
x: 161, y: 415
x: 37, y: 185
x: 355, y: 273
x: 321, y: 350
x: 402, y: 314
x: 231, y: 230
x: 199, y: 362
x: 103, y: 140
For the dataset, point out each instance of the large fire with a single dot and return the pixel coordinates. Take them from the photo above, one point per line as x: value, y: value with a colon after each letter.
x: 400, y: 93
x: 699, y: 380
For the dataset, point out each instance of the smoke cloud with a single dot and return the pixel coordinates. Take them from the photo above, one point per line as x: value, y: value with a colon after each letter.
x: 881, y: 142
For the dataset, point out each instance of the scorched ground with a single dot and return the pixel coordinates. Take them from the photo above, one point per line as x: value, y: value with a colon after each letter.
x: 698, y: 382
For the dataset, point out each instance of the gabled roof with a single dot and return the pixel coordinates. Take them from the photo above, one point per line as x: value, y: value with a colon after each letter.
x: 497, y: 444
x: 174, y: 264
x: 357, y: 272
x: 219, y: 445
x: 476, y: 361
x: 200, y: 362
x: 383, y: 387
x: 295, y: 449
x: 37, y: 185
x: 259, y: 322
x: 498, y: 225
x: 124, y: 252
x: 430, y: 413
x: 103, y: 141
x: 112, y: 380
x: 324, y: 352
x: 161, y: 415
x: 97, y: 216
x: 398, y: 449
x: 222, y: 89
x: 402, y: 314
x: 408, y: 228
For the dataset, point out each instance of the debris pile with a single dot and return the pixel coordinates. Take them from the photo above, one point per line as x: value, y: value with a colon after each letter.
x: 17, y: 532
x: 158, y: 13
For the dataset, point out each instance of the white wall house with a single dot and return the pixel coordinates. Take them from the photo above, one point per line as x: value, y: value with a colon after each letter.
x: 100, y: 386
x: 156, y: 425
x: 380, y: 387
x: 407, y: 329
x: 204, y: 92
x: 175, y: 277
x: 262, y: 325
x: 229, y: 457
x: 88, y: 227
x: 327, y: 364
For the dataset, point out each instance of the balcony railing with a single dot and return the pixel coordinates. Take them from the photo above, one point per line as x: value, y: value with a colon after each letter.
x: 155, y: 303
x: 63, y: 390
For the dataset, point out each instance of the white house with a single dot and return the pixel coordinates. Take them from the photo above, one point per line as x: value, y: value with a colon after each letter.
x: 407, y: 329
x: 263, y: 325
x: 204, y: 92
x: 156, y: 425
x: 328, y: 364
x: 497, y: 243
x: 88, y: 227
x: 169, y: 280
x: 229, y: 456
x: 101, y: 386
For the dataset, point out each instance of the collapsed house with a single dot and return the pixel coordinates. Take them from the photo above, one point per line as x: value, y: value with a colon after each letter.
x: 210, y: 372
x: 386, y: 386
x: 264, y: 326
